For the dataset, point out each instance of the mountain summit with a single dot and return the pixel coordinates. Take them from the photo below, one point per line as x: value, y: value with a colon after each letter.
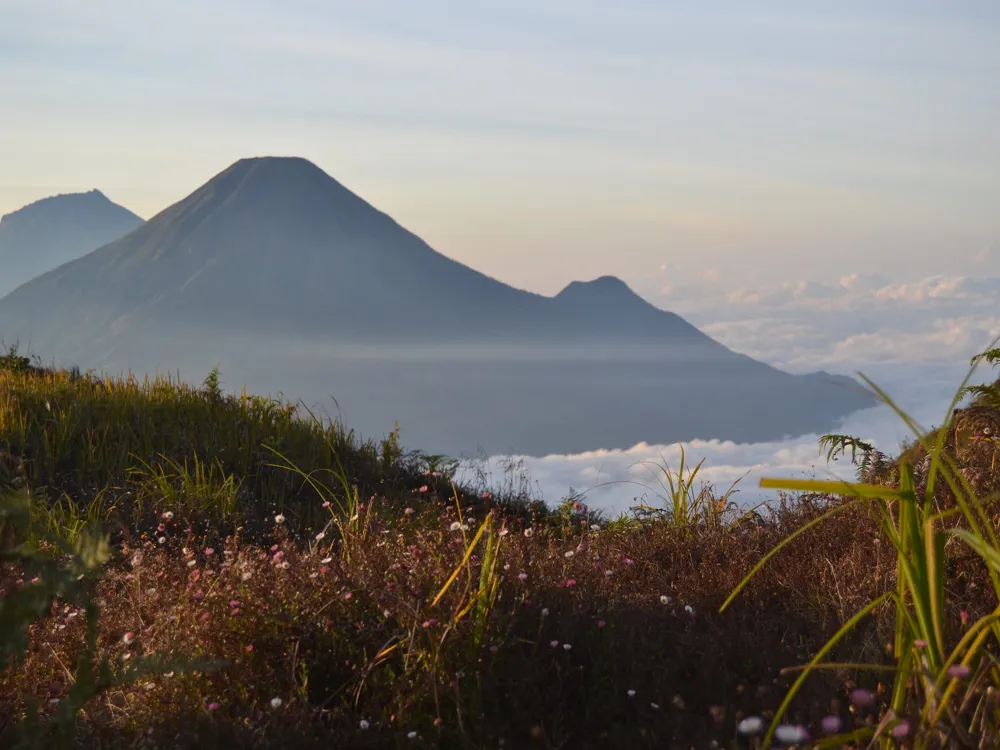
x: 52, y: 231
x: 294, y: 283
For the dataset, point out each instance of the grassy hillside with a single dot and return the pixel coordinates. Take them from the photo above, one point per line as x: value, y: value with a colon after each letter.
x: 184, y: 568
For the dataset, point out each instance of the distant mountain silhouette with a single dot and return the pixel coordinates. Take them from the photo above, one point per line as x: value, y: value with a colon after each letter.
x: 275, y: 250
x: 53, y: 231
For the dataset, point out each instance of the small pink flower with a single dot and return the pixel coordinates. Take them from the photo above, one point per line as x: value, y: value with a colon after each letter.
x: 274, y: 548
x: 522, y: 576
x: 409, y: 511
x: 205, y: 617
x: 965, y: 617
x: 430, y: 623
x: 629, y: 561
x: 209, y: 551
x: 213, y: 706
x: 831, y: 724
x: 348, y: 596
x: 554, y: 644
x: 862, y: 698
x: 235, y: 603
x: 485, y: 496
x: 494, y: 649
x: 324, y: 569
x: 959, y: 671
x: 424, y: 488
x: 902, y: 729
x: 326, y: 504
x: 920, y: 644
x: 161, y: 528
x: 249, y: 648
x: 128, y: 638
x: 278, y: 555
x: 601, y: 623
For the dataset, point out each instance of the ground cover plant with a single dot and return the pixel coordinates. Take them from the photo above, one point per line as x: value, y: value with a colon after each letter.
x: 186, y: 568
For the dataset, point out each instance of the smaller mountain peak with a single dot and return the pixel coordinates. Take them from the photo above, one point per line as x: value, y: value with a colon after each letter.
x: 602, y: 286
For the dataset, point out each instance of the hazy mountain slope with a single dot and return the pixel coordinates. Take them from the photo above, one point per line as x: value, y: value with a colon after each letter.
x: 53, y: 231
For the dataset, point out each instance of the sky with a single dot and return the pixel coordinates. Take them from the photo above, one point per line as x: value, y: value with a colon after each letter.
x: 699, y: 149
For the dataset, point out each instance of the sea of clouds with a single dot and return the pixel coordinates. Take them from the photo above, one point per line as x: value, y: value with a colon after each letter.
x: 913, y: 339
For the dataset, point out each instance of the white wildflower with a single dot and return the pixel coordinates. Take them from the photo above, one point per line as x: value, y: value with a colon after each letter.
x: 275, y: 703
x: 788, y: 734
x: 750, y: 726
x: 364, y: 724
x: 279, y: 518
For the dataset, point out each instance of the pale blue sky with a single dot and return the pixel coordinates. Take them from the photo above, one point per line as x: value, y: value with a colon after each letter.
x: 542, y: 140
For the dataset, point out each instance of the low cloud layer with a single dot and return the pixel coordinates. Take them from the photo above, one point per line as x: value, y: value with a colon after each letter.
x: 861, y: 319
